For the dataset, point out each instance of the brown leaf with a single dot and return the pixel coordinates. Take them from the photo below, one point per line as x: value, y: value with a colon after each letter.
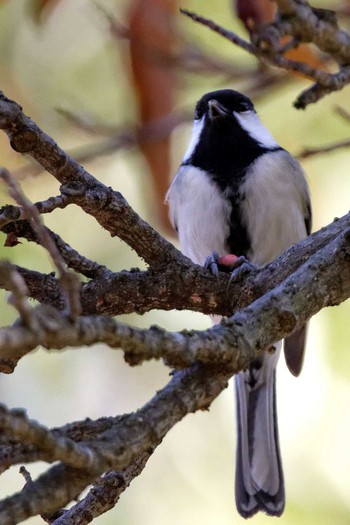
x: 255, y: 13
x: 153, y: 41
x: 11, y: 240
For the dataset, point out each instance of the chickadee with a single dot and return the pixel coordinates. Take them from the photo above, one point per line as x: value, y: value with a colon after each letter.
x: 237, y: 191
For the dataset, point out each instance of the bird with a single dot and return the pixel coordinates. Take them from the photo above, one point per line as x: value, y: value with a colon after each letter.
x: 238, y: 191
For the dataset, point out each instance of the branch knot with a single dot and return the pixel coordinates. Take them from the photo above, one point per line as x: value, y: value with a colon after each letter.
x: 25, y: 140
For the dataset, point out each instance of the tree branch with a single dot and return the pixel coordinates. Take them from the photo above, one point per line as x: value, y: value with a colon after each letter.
x: 188, y: 391
x: 104, y: 494
x: 69, y: 281
x: 53, y: 447
x: 72, y: 258
x: 108, y: 207
x: 240, y: 339
x: 315, y: 25
x: 10, y: 213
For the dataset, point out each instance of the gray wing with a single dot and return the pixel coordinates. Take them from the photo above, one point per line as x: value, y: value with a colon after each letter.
x: 294, y: 345
x: 277, y: 214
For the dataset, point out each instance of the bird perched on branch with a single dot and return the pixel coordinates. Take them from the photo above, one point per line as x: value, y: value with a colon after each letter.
x: 238, y: 191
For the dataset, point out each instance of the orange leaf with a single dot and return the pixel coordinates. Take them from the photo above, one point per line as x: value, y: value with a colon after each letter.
x: 308, y: 55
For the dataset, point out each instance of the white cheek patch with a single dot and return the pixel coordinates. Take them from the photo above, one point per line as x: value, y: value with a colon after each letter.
x: 252, y: 124
x: 196, y: 133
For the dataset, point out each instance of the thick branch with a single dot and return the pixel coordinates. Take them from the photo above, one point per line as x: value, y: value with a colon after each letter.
x: 14, y: 452
x: 180, y: 285
x: 188, y: 286
x: 54, y: 447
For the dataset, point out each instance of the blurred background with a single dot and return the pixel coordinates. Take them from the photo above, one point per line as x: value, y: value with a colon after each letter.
x: 114, y: 82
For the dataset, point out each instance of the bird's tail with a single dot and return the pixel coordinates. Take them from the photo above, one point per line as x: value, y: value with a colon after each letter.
x: 259, y: 475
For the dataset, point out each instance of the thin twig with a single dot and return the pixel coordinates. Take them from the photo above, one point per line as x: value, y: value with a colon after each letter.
x: 270, y: 58
x: 327, y: 148
x: 104, y: 494
x: 18, y: 297
x: 304, y: 24
x: 31, y: 212
x: 69, y: 281
x: 11, y: 213
x: 26, y: 475
x: 314, y: 93
x: 343, y: 113
x: 71, y: 257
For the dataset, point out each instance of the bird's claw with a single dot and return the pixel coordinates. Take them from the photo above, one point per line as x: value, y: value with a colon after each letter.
x: 240, y: 269
x: 211, y: 263
x: 237, y: 266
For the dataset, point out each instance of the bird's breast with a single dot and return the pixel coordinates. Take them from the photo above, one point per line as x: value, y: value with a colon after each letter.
x: 200, y: 212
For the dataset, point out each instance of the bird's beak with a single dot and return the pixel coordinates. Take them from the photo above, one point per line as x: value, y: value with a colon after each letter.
x: 216, y: 110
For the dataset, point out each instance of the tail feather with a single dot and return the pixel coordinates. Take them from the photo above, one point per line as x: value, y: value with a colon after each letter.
x: 259, y: 475
x: 294, y: 347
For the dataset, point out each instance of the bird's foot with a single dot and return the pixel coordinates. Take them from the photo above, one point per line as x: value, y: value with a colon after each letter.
x: 229, y: 263
x: 240, y: 269
x: 212, y: 263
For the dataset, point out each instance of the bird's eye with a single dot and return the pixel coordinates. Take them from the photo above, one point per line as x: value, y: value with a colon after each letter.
x: 198, y: 114
x: 243, y: 107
